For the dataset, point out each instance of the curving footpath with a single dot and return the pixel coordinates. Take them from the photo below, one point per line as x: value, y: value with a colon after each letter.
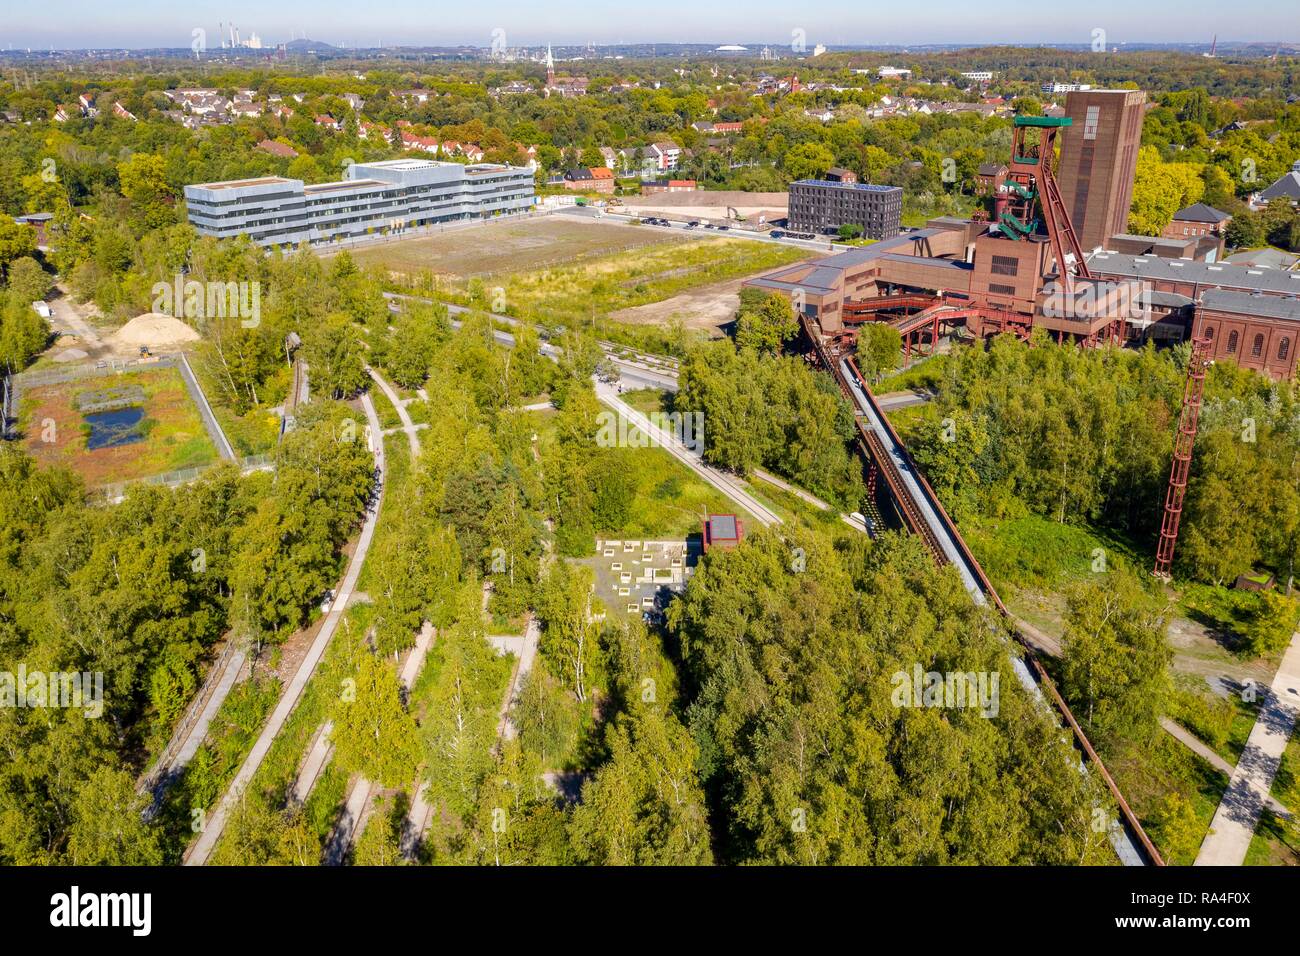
x: 408, y: 424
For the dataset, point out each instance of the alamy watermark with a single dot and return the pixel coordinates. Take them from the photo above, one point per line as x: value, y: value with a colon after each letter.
x: 1089, y: 301
x: 77, y: 690
x: 197, y: 301
x: 974, y: 690
x: 615, y: 431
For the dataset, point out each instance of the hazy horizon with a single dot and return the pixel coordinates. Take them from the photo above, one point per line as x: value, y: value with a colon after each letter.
x: 144, y: 24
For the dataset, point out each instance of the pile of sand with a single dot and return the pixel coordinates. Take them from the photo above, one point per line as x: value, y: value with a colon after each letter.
x: 155, y: 330
x: 70, y: 355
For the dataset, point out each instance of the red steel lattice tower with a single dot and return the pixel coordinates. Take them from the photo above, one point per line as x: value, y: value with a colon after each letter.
x: 1184, y: 439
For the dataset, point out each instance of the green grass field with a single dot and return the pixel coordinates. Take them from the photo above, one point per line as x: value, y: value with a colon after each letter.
x: 1147, y: 774
x: 649, y: 400
x: 590, y: 290
x: 669, y: 500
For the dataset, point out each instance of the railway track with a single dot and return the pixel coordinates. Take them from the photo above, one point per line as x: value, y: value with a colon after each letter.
x: 911, y: 514
x: 873, y: 444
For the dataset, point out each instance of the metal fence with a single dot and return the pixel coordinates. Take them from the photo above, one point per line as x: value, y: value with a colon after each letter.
x: 205, y: 410
x: 115, y: 492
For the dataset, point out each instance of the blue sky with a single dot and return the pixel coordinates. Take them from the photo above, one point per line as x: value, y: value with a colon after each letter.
x: 146, y: 23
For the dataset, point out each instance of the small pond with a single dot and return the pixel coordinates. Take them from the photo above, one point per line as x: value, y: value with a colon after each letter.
x: 121, y: 426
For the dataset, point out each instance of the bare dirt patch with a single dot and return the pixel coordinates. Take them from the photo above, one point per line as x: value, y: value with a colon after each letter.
x: 155, y: 331
x: 1196, y: 650
x: 710, y: 307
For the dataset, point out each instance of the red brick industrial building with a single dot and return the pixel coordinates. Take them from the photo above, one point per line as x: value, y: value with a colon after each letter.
x: 1002, y: 275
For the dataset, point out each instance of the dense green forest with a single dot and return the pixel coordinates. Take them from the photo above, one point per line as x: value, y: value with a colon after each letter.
x: 757, y: 726
x: 1084, y: 436
x: 139, y: 593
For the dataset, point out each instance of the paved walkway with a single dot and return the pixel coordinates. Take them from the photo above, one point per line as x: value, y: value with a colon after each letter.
x: 720, y: 480
x: 229, y: 674
x: 216, y: 822
x: 902, y: 400
x: 1203, y: 750
x: 1036, y: 636
x: 350, y: 824
x: 1248, y: 790
x: 526, y: 653
x: 415, y: 660
x: 855, y: 523
x: 321, y: 752
x: 189, y: 735
x: 417, y: 821
x: 408, y: 425
x: 209, y: 417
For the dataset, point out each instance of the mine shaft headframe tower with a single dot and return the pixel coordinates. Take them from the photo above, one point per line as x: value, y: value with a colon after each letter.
x: 1030, y: 195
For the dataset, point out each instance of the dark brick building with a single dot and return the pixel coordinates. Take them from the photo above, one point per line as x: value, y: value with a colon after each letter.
x: 823, y: 205
x: 1098, y: 158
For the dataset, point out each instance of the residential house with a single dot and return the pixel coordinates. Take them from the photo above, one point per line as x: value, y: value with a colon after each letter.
x: 277, y: 149
x: 989, y: 177
x: 669, y: 186
x: 423, y: 144
x: 599, y: 179
x: 1286, y: 187
x: 665, y: 154
x: 514, y: 88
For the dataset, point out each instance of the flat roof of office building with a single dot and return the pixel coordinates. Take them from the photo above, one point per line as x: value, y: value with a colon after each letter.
x: 237, y: 183
x: 343, y: 184
x: 864, y: 187
x: 405, y: 163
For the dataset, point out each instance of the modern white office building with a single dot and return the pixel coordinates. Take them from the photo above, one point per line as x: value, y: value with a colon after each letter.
x: 384, y: 197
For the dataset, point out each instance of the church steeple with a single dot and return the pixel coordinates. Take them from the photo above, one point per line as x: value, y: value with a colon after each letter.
x: 550, y: 67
